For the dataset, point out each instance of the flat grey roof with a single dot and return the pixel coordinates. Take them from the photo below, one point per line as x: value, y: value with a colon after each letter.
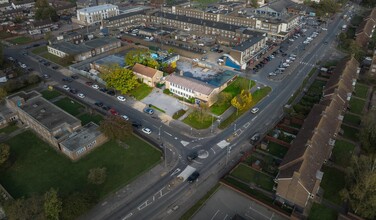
x: 248, y: 43
x: 82, y: 137
x: 96, y: 8
x: 71, y: 48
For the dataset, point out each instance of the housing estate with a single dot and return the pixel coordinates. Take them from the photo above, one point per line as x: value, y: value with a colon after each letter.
x: 147, y: 75
x: 95, y: 14
x: 55, y: 125
x: 84, y: 50
x: 300, y: 172
x: 24, y: 4
x: 366, y: 29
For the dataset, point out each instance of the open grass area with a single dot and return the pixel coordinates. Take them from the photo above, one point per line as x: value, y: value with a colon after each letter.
x: 361, y: 90
x: 5, y: 34
x: 198, y: 121
x: 72, y: 107
x: 50, y: 94
x: 350, y: 133
x: 39, y: 50
x: 332, y: 182
x: 8, y: 129
x: 356, y: 105
x: 319, y: 212
x: 178, y: 114
x: 277, y: 149
x: 36, y: 166
x: 141, y: 91
x: 342, y: 152
x: 188, y: 214
x: 224, y: 98
x: 54, y: 59
x: 352, y: 119
x: 249, y: 175
x: 21, y: 40
x: 86, y: 118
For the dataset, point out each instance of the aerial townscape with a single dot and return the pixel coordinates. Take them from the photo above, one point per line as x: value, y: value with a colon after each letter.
x: 187, y: 109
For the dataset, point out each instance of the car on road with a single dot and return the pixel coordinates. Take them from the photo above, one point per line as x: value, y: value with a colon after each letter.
x: 111, y: 92
x: 89, y: 83
x: 55, y: 67
x: 73, y: 91
x: 74, y: 76
x: 67, y: 79
x: 121, y: 98
x: 95, y: 86
x: 136, y: 124
x: 255, y: 110
x: 193, y: 177
x: 22, y: 65
x: 146, y: 130
x: 46, y: 76
x: 113, y: 112
x: 66, y: 87
x: 99, y: 104
x: 46, y: 63
x: 149, y: 111
x: 81, y: 95
x: 106, y: 108
x: 103, y: 89
x: 125, y: 117
x: 192, y: 156
x: 255, y: 137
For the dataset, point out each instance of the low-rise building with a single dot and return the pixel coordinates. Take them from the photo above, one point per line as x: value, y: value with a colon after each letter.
x: 147, y: 75
x: 95, y: 14
x: 24, y: 4
x: 366, y: 29
x: 84, y: 50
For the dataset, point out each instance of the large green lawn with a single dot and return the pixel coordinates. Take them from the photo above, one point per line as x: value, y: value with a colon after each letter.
x: 198, y: 121
x: 86, y: 118
x: 72, y: 107
x: 332, y: 182
x: 8, y: 129
x: 356, y: 105
x: 352, y: 119
x: 249, y: 175
x: 141, y: 91
x: 277, y: 149
x: 361, y: 90
x: 342, y: 152
x: 54, y: 59
x: 39, y: 50
x: 21, y: 40
x: 47, y: 94
x: 350, y: 133
x: 320, y: 212
x: 36, y: 166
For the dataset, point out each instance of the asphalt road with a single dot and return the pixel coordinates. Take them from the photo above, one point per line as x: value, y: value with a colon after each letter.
x: 152, y: 203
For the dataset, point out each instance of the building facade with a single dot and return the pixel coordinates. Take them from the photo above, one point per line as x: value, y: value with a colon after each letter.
x: 95, y: 14
x: 248, y: 50
x: 147, y: 75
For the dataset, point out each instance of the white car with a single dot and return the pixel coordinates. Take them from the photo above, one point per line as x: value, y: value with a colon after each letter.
x: 195, y: 60
x: 125, y: 117
x: 285, y: 64
x: 292, y: 58
x: 324, y: 29
x: 95, y: 86
x: 255, y: 110
x: 66, y: 87
x: 23, y: 66
x: 292, y: 40
x: 81, y: 95
x: 121, y: 98
x: 272, y: 74
x: 146, y: 130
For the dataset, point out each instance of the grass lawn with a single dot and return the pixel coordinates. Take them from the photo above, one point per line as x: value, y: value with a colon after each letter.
x: 277, y: 149
x: 332, y: 182
x: 54, y: 59
x: 188, y: 214
x: 48, y: 94
x: 350, y: 133
x: 319, y: 212
x: 352, y: 119
x: 196, y: 121
x: 4, y: 34
x: 86, y: 118
x: 247, y: 174
x: 342, y: 152
x: 21, y: 40
x: 36, y: 166
x: 8, y: 129
x: 232, y: 90
x: 178, y: 114
x: 72, y: 107
x: 141, y: 91
x: 39, y: 50
x: 356, y: 105
x: 260, y: 94
x: 361, y: 90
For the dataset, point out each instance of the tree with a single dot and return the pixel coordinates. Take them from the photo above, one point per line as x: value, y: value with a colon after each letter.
x: 52, y: 204
x: 223, y: 97
x: 44, y: 11
x: 97, y: 175
x: 367, y: 134
x: 361, y: 185
x: 30, y: 208
x: 120, y: 78
x: 141, y: 56
x: 3, y: 93
x: 4, y: 153
x: 77, y: 203
x: 242, y: 101
x: 115, y: 127
x: 33, y: 79
x: 254, y: 3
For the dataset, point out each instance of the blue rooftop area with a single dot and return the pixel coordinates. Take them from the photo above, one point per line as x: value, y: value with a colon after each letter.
x: 112, y: 59
x: 214, y: 80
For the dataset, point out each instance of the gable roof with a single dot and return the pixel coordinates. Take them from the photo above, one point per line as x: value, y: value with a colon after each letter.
x: 189, y: 83
x: 144, y: 70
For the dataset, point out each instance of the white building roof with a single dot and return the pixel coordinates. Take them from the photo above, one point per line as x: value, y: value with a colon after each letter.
x: 96, y: 8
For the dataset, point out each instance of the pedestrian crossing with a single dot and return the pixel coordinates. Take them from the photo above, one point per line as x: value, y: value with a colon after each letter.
x: 307, y: 64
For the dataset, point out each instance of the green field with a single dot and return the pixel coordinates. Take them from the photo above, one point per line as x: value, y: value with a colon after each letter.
x: 342, y: 152
x: 141, y: 91
x: 178, y: 114
x: 36, y: 166
x: 72, y: 107
x: 249, y: 175
x: 195, y: 120
x: 361, y: 91
x: 8, y: 129
x: 356, y: 105
x: 39, y: 50
x: 21, y: 40
x: 332, y: 182
x: 54, y: 59
x: 320, y: 212
x: 86, y: 118
x: 47, y: 94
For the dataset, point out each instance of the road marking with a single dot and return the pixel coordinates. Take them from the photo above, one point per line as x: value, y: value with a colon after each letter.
x: 196, y: 146
x: 103, y: 204
x: 197, y: 162
x: 213, y: 150
x: 222, y: 144
x: 168, y: 133
x: 246, y: 125
x: 184, y: 143
x: 246, y: 214
x: 143, y: 205
x: 254, y: 118
x: 127, y: 216
x: 250, y: 207
x: 238, y: 132
x: 175, y: 172
x: 225, y: 217
x: 214, y: 215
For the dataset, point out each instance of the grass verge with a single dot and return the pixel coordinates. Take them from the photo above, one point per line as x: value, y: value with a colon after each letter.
x: 72, y: 107
x: 54, y: 59
x: 39, y: 50
x: 199, y: 120
x: 21, y: 40
x: 141, y: 91
x: 8, y: 129
x: 156, y: 108
x: 178, y: 114
x: 86, y: 118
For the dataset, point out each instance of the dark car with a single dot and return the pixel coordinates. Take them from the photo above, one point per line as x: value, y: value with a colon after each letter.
x: 73, y: 91
x: 30, y: 69
x: 36, y: 45
x: 103, y: 89
x: 106, y: 108
x: 55, y: 67
x: 99, y: 104
x: 192, y: 156
x: 220, y: 51
x: 149, y: 111
x: 47, y: 63
x: 111, y: 92
x: 255, y: 138
x: 74, y: 76
x: 67, y: 79
x: 193, y: 177
x: 136, y: 124
x: 89, y: 83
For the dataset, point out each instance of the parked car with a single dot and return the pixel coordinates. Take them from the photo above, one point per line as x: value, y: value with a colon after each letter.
x: 103, y: 89
x: 74, y: 76
x: 255, y: 110
x: 46, y: 76
x: 106, y: 108
x: 193, y: 177
x: 111, y: 92
x: 73, y: 91
x: 146, y: 130
x: 81, y: 95
x: 149, y: 111
x: 125, y: 117
x: 66, y: 87
x: 192, y: 156
x: 95, y: 86
x: 55, y: 67
x: 121, y: 98
x: 113, y: 111
x: 99, y: 104
x: 89, y: 83
x: 67, y: 79
x: 136, y: 124
x: 255, y: 138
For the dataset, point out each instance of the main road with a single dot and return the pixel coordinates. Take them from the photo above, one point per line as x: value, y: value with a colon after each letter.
x: 152, y: 203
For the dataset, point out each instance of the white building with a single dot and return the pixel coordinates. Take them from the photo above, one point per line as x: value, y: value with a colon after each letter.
x: 96, y: 14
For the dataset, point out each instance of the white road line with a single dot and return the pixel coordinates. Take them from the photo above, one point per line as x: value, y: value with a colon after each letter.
x: 225, y: 217
x: 214, y: 215
x: 213, y: 150
x: 249, y: 216
x: 254, y: 118
x: 168, y: 133
x: 175, y: 172
x: 127, y: 216
x: 246, y: 125
x: 258, y: 212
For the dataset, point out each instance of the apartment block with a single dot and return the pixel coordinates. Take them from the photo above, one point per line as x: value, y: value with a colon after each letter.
x: 95, y: 14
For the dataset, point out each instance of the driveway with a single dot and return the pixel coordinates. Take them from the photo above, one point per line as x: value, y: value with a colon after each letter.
x: 165, y: 102
x: 225, y: 203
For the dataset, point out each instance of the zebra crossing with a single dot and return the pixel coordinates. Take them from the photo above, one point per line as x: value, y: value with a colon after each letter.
x: 307, y: 64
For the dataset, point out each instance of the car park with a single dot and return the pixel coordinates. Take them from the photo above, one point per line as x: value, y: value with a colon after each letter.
x: 193, y: 177
x: 146, y: 130
x: 81, y: 95
x: 255, y: 110
x: 121, y: 98
x: 95, y: 86
x: 149, y: 111
x: 192, y: 156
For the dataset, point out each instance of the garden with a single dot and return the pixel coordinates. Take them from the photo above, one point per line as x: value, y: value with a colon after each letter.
x: 332, y: 182
x: 356, y: 105
x: 342, y: 153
